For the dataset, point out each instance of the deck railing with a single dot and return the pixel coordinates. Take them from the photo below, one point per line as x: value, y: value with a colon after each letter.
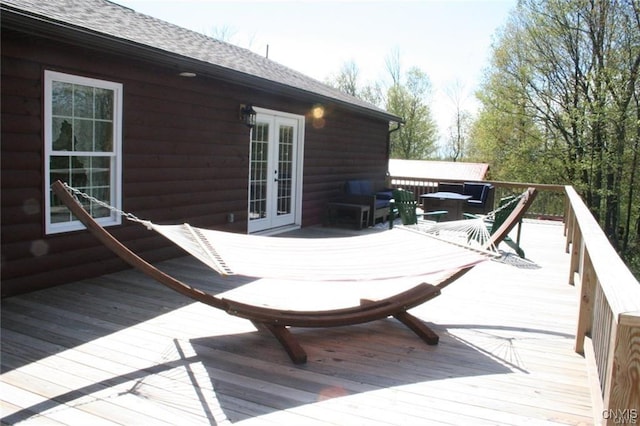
x: 549, y: 204
x: 608, y: 321
x: 608, y: 326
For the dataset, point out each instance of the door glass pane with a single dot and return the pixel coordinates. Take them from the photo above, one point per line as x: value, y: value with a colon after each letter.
x: 258, y: 167
x: 285, y: 169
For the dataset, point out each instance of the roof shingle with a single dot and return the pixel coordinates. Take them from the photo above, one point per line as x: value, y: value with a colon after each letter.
x: 126, y: 25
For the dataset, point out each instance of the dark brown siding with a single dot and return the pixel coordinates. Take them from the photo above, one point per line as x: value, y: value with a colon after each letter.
x: 185, y: 158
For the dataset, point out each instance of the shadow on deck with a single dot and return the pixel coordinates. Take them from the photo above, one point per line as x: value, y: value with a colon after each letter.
x: 122, y: 349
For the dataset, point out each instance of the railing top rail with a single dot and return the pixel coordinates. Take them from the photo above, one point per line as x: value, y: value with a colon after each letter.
x: 618, y: 283
x: 502, y: 184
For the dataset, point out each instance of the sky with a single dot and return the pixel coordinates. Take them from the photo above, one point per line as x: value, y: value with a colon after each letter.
x: 450, y: 40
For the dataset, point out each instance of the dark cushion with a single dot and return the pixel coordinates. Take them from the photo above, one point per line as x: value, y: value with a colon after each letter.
x: 475, y: 190
x: 352, y: 187
x: 382, y: 203
x: 450, y: 187
x: 384, y: 195
x: 365, y: 187
x: 358, y: 187
x: 481, y: 193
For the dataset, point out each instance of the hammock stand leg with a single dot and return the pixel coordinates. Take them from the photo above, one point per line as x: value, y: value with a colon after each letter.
x: 288, y: 342
x: 413, y: 323
x: 299, y: 356
x: 418, y: 327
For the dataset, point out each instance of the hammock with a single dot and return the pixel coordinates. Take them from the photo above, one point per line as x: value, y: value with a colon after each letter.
x: 391, y: 256
x: 387, y: 255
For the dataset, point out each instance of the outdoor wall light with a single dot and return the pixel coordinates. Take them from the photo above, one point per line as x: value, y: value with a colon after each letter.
x: 248, y: 115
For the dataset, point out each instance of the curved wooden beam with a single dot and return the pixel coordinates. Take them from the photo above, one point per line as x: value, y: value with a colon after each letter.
x: 328, y: 318
x: 274, y: 320
x: 130, y: 257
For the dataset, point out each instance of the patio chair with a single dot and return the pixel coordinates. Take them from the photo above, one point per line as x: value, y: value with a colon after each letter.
x: 415, y: 256
x: 496, y: 218
x: 405, y: 206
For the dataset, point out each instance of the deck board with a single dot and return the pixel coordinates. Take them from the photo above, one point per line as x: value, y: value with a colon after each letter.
x: 120, y: 349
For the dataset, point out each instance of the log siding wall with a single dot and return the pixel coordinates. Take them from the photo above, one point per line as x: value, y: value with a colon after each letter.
x: 185, y: 158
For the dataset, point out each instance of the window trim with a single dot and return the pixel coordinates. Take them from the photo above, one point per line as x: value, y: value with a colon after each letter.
x: 116, y: 175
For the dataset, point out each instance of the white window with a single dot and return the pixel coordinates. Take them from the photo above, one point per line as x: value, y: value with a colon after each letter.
x: 83, y: 141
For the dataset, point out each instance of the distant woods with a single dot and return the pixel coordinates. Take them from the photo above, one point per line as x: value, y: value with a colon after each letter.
x: 560, y: 103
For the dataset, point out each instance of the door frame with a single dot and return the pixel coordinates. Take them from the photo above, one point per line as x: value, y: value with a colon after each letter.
x: 298, y: 177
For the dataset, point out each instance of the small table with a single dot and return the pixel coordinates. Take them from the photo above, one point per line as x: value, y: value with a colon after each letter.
x: 359, y: 211
x: 450, y: 201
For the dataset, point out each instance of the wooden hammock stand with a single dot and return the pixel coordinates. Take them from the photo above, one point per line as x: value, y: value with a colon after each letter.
x: 277, y: 321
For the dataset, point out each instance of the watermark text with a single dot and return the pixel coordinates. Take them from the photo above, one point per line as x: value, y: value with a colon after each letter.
x: 627, y: 416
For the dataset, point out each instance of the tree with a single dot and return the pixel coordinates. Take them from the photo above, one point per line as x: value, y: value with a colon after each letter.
x: 347, y: 79
x: 416, y: 138
x: 567, y: 74
x: 458, y: 137
x: 406, y: 97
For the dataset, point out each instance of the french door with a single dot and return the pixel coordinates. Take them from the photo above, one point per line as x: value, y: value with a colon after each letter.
x: 274, y: 171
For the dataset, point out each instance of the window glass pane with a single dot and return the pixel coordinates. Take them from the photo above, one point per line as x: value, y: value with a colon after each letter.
x: 103, y: 136
x: 104, y: 104
x: 62, y: 98
x: 62, y: 132
x: 59, y: 169
x: 59, y: 212
x: 82, y: 101
x: 82, y: 135
x: 100, y: 173
x: 79, y: 172
x: 101, y: 193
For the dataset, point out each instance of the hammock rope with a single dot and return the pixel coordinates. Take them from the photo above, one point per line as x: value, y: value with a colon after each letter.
x: 469, y: 233
x: 211, y: 253
x: 112, y: 209
x: 492, y: 214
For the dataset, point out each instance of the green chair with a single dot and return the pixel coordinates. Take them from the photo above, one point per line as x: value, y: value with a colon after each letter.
x: 497, y: 218
x: 405, y: 206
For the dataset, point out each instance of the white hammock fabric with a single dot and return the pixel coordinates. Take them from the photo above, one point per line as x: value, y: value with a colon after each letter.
x: 388, y: 255
x: 469, y: 233
x: 424, y: 250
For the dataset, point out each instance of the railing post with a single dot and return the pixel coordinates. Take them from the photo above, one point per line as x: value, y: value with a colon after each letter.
x: 621, y: 393
x: 588, y: 282
x: 576, y: 250
x: 568, y: 228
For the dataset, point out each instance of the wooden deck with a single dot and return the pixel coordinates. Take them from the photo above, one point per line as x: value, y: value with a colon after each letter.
x: 121, y: 349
